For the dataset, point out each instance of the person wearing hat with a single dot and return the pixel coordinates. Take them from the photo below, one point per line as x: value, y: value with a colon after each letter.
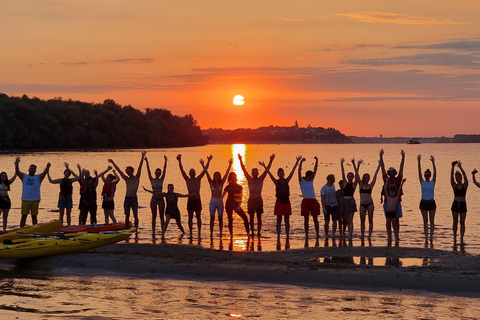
x: 392, y: 180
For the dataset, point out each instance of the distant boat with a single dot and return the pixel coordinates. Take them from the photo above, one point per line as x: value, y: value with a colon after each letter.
x: 414, y: 141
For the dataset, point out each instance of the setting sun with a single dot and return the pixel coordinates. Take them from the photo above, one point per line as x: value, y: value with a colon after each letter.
x: 238, y: 100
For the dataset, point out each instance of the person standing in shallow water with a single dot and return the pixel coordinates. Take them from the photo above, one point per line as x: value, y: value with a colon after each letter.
x: 194, y: 202
x: 172, y: 211
x: 216, y: 201
x: 65, y: 202
x: 255, y: 201
x: 132, y: 181
x: 310, y: 205
x: 349, y: 206
x: 31, y: 195
x: 157, y: 203
x: 283, y: 207
x: 234, y: 201
x: 366, y: 200
x: 5, y: 203
x: 459, y: 205
x: 427, y: 204
x: 108, y: 194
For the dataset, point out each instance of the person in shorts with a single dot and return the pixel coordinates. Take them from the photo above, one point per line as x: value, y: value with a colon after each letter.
x: 310, y: 205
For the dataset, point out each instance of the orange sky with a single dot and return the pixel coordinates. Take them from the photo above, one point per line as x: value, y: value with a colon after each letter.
x: 397, y: 68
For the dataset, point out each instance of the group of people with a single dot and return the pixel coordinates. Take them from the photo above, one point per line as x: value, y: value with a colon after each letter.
x: 338, y: 205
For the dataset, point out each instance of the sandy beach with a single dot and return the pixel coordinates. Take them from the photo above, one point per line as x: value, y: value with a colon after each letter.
x: 454, y: 273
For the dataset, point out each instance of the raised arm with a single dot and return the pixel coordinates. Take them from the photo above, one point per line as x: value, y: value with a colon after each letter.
x: 149, y: 172
x: 452, y: 175
x: 357, y: 175
x: 294, y: 167
x: 402, y: 163
x: 342, y: 160
x: 101, y: 174
x: 382, y: 164
x: 419, y: 159
x: 230, y: 162
x: 180, y: 165
x: 434, y: 177
x: 267, y: 170
x: 75, y: 176
x: 355, y: 169
x: 242, y: 165
x: 123, y: 175
x: 209, y: 178
x: 399, y: 191
x: 269, y: 165
x: 474, y: 172
x: 13, y: 178
x: 139, y: 171
x: 465, y: 179
x: 17, y: 168
x: 374, y: 179
x: 45, y: 171
x: 205, y: 168
x: 51, y: 180
x: 300, y: 170
x: 164, y: 168
x: 316, y: 167
x: 95, y: 183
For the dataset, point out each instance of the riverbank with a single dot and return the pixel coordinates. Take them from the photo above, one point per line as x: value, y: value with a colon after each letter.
x: 363, y: 268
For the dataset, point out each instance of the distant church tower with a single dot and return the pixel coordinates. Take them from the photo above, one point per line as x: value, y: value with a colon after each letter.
x: 296, y: 124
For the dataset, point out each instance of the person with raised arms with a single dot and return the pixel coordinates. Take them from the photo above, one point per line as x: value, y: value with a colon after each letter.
x: 88, y: 195
x: 5, y: 203
x: 132, y: 181
x: 283, y: 207
x: 108, y: 194
x: 157, y: 203
x: 194, y: 202
x: 366, y: 201
x: 459, y: 205
x: 349, y: 206
x: 330, y: 205
x: 427, y: 204
x: 392, y: 198
x: 394, y: 181
x: 31, y: 194
x: 65, y: 202
x: 216, y: 202
x: 310, y: 205
x: 255, y: 201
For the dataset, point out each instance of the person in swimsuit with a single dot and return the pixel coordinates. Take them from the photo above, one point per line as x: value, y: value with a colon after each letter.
x: 255, y: 186
x: 172, y: 211
x: 108, y: 193
x: 65, y: 203
x: 392, y: 196
x: 233, y: 203
x: 283, y: 207
x: 157, y: 203
x: 132, y: 181
x: 427, y: 204
x: 459, y: 206
x: 5, y: 203
x: 310, y: 205
x: 349, y: 206
x: 216, y: 202
x: 366, y: 201
x: 194, y: 202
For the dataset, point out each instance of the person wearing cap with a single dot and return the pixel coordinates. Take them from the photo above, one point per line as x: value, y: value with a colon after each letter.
x: 392, y: 180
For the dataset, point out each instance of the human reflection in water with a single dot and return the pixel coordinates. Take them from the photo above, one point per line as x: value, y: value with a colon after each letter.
x: 389, y: 261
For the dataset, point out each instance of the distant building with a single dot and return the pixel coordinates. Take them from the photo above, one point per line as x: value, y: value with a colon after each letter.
x: 381, y: 136
x: 296, y: 124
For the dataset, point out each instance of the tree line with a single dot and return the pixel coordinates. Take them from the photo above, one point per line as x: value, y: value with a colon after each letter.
x: 32, y: 123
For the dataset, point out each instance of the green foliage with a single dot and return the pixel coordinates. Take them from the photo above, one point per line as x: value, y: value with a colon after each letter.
x: 32, y: 123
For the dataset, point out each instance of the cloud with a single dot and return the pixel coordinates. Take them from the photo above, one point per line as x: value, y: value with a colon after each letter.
x: 470, y: 61
x: 114, y: 61
x: 395, y: 18
x: 322, y: 19
x: 468, y: 45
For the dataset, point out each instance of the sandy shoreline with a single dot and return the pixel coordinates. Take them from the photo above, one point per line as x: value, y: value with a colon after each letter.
x: 444, y: 272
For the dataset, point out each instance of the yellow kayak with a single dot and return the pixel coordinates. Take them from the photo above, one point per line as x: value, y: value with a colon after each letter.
x: 46, y: 246
x: 52, y: 226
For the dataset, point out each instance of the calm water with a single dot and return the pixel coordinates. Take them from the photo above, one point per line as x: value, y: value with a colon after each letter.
x: 329, y: 162
x: 31, y: 294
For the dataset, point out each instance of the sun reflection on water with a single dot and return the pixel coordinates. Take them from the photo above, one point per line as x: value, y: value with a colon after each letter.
x: 238, y: 149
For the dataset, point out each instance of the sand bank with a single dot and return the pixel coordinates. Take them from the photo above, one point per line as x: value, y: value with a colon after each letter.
x: 330, y: 267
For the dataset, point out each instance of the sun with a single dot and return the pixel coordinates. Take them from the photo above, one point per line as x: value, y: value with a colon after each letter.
x: 238, y: 100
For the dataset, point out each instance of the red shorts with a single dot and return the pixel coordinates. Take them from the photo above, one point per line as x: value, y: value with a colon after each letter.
x: 310, y: 206
x: 282, y: 209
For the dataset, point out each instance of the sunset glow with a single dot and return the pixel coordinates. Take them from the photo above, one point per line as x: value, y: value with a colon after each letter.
x: 238, y: 100
x: 324, y: 64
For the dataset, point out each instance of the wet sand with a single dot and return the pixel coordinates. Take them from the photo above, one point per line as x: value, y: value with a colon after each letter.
x: 431, y: 270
